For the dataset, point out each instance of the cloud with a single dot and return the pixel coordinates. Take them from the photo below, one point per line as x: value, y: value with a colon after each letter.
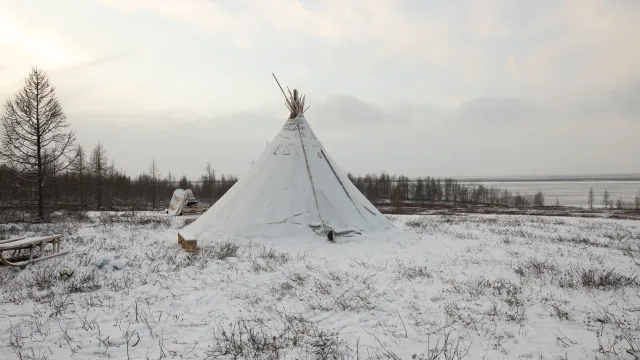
x: 247, y: 18
x: 485, y: 136
x: 533, y: 49
x: 347, y: 110
x: 25, y: 43
x: 201, y: 13
x: 98, y: 60
x: 619, y: 104
x: 230, y: 141
x: 626, y: 102
x: 342, y: 115
x: 431, y: 87
x: 580, y: 48
x: 499, y: 112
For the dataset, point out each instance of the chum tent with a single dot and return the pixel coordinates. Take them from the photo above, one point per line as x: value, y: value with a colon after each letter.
x: 179, y: 201
x: 294, y: 189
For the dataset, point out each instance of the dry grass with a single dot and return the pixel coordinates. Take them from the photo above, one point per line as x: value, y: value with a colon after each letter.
x: 484, y: 298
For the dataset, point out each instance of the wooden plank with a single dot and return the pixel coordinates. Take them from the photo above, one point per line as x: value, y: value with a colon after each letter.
x: 26, y: 243
x: 32, y: 261
x: 12, y: 239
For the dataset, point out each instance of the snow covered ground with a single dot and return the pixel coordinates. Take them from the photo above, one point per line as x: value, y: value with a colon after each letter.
x: 452, y: 287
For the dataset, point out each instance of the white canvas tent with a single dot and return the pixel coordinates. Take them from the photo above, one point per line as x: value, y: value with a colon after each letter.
x: 294, y: 189
x: 179, y: 201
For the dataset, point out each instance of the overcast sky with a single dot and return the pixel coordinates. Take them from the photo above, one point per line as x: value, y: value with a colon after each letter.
x: 415, y: 87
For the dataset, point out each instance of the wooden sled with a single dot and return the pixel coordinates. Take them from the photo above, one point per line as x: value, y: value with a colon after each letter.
x: 195, y: 209
x: 19, y: 244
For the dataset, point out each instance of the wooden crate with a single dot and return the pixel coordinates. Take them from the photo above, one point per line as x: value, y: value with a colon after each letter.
x: 190, y: 245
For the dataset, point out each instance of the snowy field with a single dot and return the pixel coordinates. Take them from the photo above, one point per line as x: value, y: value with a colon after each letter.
x: 452, y: 287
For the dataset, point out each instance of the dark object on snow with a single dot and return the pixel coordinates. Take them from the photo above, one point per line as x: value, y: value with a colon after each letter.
x: 330, y: 235
x: 191, y: 202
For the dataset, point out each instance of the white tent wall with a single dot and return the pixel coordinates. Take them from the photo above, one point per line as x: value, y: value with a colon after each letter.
x: 276, y: 197
x: 354, y: 209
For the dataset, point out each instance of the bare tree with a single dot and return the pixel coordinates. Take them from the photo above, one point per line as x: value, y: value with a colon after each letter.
x: 99, y: 170
x: 170, y: 180
x: 110, y: 171
x: 638, y: 201
x: 538, y: 199
x: 154, y: 173
x: 183, y: 183
x: 79, y: 167
x: 605, y: 199
x: 35, y: 134
x: 519, y: 200
x: 591, y: 198
x: 397, y: 198
x: 211, y: 177
x: 418, y: 191
x: 506, y: 197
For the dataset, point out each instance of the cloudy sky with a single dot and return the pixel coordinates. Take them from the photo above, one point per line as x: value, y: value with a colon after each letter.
x: 418, y: 87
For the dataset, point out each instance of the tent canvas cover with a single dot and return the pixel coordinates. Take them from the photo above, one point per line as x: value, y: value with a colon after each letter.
x: 294, y: 189
x: 179, y: 201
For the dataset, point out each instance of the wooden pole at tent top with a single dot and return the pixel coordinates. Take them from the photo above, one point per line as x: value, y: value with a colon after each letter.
x: 294, y: 103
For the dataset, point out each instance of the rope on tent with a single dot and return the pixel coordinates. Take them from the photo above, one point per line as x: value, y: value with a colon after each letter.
x: 338, y: 178
x: 340, y: 182
x: 313, y: 187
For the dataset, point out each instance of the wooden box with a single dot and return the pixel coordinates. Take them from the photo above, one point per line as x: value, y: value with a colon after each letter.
x: 190, y: 245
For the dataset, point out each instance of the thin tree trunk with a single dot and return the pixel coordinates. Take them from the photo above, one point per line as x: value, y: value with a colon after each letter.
x: 39, y: 152
x: 82, y: 197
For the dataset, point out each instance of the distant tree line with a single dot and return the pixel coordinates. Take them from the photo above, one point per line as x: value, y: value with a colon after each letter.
x: 94, y: 183
x: 400, y: 190
x: 608, y: 203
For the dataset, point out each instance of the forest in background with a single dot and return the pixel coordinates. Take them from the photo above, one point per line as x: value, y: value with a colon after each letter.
x: 95, y: 183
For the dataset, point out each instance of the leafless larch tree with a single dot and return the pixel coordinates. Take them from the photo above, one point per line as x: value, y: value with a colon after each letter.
x: 591, y: 199
x: 36, y: 140
x: 154, y: 173
x: 605, y: 199
x: 79, y: 167
x: 99, y: 167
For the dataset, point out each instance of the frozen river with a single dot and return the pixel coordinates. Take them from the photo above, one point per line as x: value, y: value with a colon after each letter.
x: 572, y: 192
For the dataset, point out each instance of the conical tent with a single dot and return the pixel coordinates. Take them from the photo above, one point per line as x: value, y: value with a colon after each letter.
x: 294, y: 189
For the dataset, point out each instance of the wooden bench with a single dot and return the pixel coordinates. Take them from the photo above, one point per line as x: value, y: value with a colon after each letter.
x: 19, y: 244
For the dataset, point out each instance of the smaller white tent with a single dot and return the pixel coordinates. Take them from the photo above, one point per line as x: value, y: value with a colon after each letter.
x: 179, y: 201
